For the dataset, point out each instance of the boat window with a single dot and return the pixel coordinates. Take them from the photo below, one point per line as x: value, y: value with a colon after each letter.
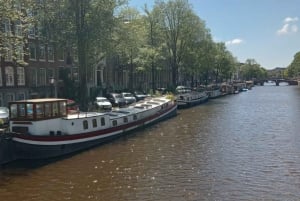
x: 13, y: 110
x: 54, y: 109
x: 134, y: 117
x: 102, y: 121
x: 94, y: 123
x: 115, y: 123
x: 125, y: 119
x: 63, y: 108
x: 40, y: 110
x: 47, y: 109
x: 29, y: 108
x: 85, y: 124
x: 21, y: 110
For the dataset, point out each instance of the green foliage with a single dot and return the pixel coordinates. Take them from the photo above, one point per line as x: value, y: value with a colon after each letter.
x: 252, y: 70
x: 15, y: 20
x: 293, y: 69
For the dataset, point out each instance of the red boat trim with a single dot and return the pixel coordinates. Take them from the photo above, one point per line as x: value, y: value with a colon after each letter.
x: 93, y: 133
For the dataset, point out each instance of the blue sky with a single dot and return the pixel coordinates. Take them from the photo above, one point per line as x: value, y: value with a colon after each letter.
x: 265, y: 30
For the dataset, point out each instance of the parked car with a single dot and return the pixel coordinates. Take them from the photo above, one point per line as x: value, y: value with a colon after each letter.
x: 4, y: 117
x: 103, y: 103
x: 116, y: 99
x: 140, y: 95
x: 129, y: 98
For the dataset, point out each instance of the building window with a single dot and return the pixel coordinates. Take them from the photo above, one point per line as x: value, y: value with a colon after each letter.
x: 18, y: 28
x: 21, y: 96
x: 32, y: 50
x: 42, y: 77
x: 75, y: 74
x: 33, y: 77
x: 31, y: 32
x: 9, y: 97
x: 50, y: 74
x: 9, y: 75
x: 8, y: 53
x: 50, y: 53
x: 42, y: 55
x: 60, y: 54
x: 21, y: 76
x: 85, y: 124
x: 75, y: 55
x: 7, y: 27
x: 94, y: 123
x: 20, y: 53
x: 99, y: 77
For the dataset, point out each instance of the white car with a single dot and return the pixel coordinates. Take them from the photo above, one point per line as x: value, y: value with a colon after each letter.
x: 129, y: 98
x: 103, y: 103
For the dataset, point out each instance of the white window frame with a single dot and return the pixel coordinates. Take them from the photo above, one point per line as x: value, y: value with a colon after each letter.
x: 8, y: 53
x: 42, y: 77
x: 50, y: 53
x: 42, y: 53
x: 9, y: 76
x: 20, y: 53
x: 21, y: 76
x: 7, y: 27
x: 32, y: 47
x: 18, y: 28
x: 31, y: 31
x: 34, y: 78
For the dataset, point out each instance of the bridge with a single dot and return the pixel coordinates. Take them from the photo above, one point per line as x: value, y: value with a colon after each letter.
x: 277, y: 81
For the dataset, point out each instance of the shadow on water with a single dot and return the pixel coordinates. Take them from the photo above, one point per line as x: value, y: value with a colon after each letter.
x: 30, y: 164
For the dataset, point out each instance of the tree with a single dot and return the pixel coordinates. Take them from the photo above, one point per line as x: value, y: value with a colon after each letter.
x: 15, y: 21
x: 83, y: 26
x: 293, y: 69
x: 252, y: 70
x: 175, y: 21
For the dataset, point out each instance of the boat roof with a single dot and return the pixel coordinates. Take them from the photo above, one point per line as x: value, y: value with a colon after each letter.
x: 40, y: 100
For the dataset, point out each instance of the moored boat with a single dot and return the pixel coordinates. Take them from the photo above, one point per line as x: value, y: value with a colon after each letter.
x: 213, y: 91
x: 186, y: 97
x: 42, y: 128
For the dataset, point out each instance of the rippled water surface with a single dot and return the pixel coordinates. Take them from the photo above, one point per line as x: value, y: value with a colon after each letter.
x: 238, y: 147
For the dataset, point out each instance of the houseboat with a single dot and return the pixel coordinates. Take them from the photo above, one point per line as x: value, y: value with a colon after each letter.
x: 213, y: 91
x: 43, y: 128
x: 186, y: 97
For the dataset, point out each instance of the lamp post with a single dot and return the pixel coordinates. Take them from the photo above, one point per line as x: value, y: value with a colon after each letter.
x: 52, y: 82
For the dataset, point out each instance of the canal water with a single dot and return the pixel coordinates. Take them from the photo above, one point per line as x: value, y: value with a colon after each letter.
x: 238, y: 147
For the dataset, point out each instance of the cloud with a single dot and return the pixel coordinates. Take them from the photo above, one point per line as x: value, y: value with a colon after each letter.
x: 290, y: 19
x: 235, y: 41
x: 289, y: 26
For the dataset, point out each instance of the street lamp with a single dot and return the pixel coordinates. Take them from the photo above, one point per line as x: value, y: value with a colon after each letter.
x: 52, y: 82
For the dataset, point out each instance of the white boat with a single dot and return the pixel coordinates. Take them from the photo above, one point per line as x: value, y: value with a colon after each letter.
x: 42, y: 128
x: 186, y: 97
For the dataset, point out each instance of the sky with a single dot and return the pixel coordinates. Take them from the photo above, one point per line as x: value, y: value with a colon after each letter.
x: 265, y: 30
